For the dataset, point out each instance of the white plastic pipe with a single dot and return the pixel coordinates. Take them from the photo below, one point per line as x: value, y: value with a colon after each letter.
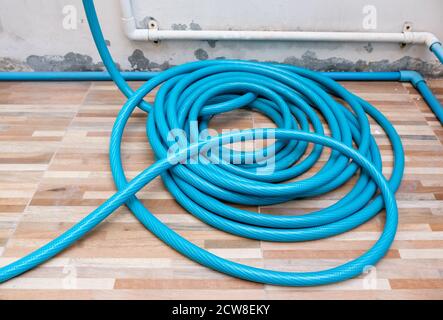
x: 129, y: 25
x: 153, y: 34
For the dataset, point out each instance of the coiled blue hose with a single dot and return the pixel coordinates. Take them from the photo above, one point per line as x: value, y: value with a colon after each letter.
x: 189, y: 96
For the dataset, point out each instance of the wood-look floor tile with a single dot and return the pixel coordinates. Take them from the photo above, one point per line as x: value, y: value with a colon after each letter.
x: 54, y: 170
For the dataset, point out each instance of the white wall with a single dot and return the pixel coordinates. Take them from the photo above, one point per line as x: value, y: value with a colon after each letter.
x: 32, y: 36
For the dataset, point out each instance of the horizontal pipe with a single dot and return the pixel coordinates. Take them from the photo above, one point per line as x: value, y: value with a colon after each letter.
x: 72, y: 76
x: 363, y: 76
x: 146, y: 75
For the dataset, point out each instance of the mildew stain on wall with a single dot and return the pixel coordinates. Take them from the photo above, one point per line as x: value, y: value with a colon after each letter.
x: 140, y: 62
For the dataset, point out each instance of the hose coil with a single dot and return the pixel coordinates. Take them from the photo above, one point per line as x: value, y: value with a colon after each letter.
x: 292, y: 97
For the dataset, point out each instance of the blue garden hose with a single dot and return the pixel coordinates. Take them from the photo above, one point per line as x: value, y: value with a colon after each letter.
x: 189, y: 96
x: 72, y: 76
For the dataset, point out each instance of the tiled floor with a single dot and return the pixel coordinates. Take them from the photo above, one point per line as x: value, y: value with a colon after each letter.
x: 54, y: 170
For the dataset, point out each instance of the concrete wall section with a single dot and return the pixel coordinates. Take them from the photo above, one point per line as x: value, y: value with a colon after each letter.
x: 53, y: 35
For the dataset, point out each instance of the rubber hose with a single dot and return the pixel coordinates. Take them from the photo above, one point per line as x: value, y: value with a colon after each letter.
x: 189, y: 96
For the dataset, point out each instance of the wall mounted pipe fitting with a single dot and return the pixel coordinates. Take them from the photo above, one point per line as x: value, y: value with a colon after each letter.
x: 437, y: 49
